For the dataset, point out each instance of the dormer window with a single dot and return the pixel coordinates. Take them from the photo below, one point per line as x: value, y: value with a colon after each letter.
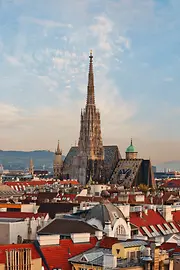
x: 84, y: 259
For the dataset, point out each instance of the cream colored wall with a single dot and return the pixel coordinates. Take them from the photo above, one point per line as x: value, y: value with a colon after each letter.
x: 30, y: 208
x: 125, y: 209
x: 21, y: 228
x: 36, y: 264
x: 80, y: 237
x: 121, y: 221
x: 46, y: 240
x: 4, y: 229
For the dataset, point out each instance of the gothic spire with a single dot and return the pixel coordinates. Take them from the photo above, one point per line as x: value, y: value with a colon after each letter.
x: 58, y: 151
x: 90, y: 88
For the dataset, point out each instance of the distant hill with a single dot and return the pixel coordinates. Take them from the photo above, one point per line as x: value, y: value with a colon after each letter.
x: 43, y: 159
x: 19, y: 160
x: 173, y: 165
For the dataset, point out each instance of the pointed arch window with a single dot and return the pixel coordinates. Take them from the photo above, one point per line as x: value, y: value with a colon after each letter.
x: 120, y: 230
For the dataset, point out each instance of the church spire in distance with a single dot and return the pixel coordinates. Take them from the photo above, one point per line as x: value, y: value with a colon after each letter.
x: 58, y: 151
x: 90, y: 88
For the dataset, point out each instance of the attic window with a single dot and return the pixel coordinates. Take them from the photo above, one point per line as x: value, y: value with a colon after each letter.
x: 117, y: 251
x: 84, y: 259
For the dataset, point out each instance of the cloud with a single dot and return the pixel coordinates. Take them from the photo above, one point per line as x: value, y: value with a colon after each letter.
x: 101, y: 29
x: 168, y: 79
x: 10, y: 115
x: 14, y: 61
x: 44, y: 23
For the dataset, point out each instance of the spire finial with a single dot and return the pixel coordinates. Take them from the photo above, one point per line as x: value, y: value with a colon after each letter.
x: 90, y: 92
x: 131, y: 141
x: 91, y: 53
x: 58, y: 149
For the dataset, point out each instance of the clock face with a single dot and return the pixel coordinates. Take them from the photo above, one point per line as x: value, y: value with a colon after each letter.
x: 124, y: 177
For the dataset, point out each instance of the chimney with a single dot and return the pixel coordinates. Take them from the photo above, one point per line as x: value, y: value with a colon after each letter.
x: 109, y: 261
x: 108, y: 229
x: 151, y: 200
x: 75, y: 209
x: 167, y: 213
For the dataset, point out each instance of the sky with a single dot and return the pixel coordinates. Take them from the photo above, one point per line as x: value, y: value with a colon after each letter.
x: 44, y: 48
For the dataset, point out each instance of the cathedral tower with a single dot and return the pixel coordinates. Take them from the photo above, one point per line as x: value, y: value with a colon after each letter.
x: 31, y: 167
x: 58, y: 163
x: 90, y: 145
x: 131, y: 152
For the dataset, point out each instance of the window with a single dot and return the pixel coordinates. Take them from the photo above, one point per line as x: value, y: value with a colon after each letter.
x: 117, y: 251
x: 120, y: 230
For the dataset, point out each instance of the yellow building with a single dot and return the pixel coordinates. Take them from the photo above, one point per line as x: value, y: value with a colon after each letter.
x: 128, y: 250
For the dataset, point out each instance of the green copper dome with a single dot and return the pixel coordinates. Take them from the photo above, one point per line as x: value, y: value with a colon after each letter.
x: 131, y: 148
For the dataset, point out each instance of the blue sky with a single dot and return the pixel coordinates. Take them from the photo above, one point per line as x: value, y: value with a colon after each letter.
x: 44, y: 47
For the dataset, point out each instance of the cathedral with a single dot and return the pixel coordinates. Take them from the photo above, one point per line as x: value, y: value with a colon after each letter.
x: 91, y: 160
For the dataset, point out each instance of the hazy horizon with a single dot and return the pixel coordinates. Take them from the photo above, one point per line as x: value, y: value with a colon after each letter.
x: 44, y: 49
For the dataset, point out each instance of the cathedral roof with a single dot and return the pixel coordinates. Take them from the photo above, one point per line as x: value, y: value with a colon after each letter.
x: 109, y: 153
x: 131, y: 148
x: 105, y: 212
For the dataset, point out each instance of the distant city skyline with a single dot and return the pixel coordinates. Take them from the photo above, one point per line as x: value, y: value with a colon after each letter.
x: 44, y: 49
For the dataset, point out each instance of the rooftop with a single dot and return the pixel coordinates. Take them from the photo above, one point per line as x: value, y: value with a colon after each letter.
x: 67, y: 226
x: 57, y: 256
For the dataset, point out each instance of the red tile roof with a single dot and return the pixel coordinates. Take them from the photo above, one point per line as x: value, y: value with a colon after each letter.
x: 21, y: 185
x: 3, y: 249
x: 107, y: 242
x: 172, y: 183
x: 151, y: 218
x: 21, y: 215
x: 176, y: 216
x: 57, y: 256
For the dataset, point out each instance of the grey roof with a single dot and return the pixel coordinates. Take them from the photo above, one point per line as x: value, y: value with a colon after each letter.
x: 64, y: 226
x: 175, y: 236
x: 11, y: 220
x: 133, y: 243
x: 109, y: 152
x: 94, y: 256
x: 105, y: 212
x: 72, y: 152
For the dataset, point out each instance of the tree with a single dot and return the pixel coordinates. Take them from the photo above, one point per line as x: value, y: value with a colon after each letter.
x: 144, y: 188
